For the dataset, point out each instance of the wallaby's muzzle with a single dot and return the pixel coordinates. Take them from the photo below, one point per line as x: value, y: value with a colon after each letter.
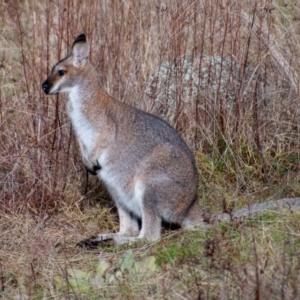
x: 46, y: 87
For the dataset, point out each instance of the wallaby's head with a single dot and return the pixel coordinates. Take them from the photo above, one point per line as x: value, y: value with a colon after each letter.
x: 67, y: 73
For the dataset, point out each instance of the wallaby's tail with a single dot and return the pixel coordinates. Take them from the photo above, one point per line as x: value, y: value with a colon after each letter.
x: 198, y: 216
x: 259, y: 208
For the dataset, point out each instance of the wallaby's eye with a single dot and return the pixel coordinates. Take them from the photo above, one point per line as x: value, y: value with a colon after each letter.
x: 61, y: 72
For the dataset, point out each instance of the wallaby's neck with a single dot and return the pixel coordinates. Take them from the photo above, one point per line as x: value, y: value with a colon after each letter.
x: 87, y: 88
x: 87, y: 101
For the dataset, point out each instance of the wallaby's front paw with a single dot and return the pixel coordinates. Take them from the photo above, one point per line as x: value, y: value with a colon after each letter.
x: 94, y: 170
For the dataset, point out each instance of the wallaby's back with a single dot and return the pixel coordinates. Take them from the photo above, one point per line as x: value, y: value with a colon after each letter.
x: 146, y: 166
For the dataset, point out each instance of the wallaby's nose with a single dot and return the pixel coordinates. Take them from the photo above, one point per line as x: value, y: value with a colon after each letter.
x: 46, y: 87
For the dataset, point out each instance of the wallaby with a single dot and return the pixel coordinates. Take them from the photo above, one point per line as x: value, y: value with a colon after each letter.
x: 146, y: 166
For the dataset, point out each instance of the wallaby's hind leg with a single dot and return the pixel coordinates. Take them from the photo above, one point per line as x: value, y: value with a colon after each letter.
x: 129, y: 225
x: 151, y: 220
x: 129, y: 230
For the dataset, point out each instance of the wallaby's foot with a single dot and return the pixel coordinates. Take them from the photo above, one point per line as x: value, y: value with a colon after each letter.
x: 106, y: 239
x: 91, y: 244
x: 97, y: 241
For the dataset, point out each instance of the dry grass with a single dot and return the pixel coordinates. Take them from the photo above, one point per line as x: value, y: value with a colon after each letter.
x: 241, y: 260
x: 235, y: 103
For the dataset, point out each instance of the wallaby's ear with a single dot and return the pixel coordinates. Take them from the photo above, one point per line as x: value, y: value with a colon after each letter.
x: 80, y: 49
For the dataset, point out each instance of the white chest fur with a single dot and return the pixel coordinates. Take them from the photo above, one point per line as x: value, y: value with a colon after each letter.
x: 82, y: 127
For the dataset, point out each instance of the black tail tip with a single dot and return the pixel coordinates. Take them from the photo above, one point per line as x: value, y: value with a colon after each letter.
x: 80, y: 38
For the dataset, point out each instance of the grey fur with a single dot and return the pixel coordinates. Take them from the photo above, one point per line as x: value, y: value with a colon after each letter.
x: 147, y: 168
